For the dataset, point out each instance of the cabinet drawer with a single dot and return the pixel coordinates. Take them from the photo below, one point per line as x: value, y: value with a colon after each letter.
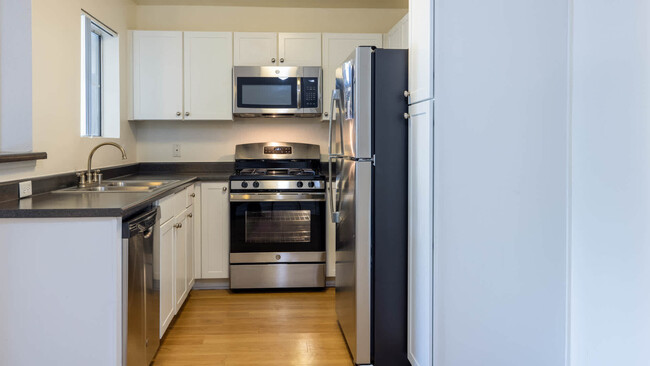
x: 180, y: 199
x: 166, y: 209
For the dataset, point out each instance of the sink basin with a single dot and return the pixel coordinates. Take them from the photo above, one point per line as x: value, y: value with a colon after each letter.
x: 121, y: 186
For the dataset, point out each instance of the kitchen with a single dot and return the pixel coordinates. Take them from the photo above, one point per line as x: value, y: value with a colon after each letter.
x: 522, y: 263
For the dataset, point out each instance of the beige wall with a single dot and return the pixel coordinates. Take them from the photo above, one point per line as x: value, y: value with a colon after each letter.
x: 56, y: 39
x: 252, y: 19
x: 215, y: 141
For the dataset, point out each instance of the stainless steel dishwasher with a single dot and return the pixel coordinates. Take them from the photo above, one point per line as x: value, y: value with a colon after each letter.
x: 141, y: 288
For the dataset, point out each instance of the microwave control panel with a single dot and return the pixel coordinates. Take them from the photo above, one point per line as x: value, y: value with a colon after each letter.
x: 309, y: 92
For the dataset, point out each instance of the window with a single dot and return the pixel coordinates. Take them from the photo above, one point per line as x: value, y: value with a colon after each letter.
x: 99, y: 79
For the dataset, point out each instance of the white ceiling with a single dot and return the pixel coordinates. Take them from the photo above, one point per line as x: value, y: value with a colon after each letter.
x: 398, y: 4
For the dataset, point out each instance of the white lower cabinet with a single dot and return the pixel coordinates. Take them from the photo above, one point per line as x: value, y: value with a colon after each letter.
x: 180, y: 261
x: 166, y: 275
x: 420, y: 262
x: 176, y: 254
x: 215, y: 230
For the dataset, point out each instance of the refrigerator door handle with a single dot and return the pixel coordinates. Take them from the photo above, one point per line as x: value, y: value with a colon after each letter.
x: 336, y: 215
x: 336, y: 97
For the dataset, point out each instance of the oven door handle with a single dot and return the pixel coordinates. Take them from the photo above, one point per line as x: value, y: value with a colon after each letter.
x: 277, y: 197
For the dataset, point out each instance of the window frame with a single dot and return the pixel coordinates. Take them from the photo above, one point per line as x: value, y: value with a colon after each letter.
x: 92, y: 26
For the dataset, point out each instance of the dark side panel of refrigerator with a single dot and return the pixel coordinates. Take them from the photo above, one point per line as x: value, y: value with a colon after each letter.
x: 390, y: 208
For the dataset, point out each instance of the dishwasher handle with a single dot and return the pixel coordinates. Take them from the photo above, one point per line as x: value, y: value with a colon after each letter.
x: 141, y: 224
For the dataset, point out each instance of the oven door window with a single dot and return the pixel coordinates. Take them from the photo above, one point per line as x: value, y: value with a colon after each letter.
x: 277, y: 226
x: 267, y: 92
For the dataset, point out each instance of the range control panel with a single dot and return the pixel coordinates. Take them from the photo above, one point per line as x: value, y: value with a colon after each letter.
x: 281, y: 150
x: 309, y: 92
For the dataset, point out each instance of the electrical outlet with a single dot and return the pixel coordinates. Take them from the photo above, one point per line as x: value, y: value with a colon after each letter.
x: 25, y: 188
x: 176, y: 151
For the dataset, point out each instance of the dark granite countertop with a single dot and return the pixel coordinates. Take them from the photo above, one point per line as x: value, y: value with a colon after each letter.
x: 92, y: 204
x: 46, y: 203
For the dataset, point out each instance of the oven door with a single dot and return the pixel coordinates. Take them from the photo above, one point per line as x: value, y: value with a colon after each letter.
x: 277, y: 222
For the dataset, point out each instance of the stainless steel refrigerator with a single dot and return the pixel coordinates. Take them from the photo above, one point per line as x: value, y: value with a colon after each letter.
x: 368, y: 162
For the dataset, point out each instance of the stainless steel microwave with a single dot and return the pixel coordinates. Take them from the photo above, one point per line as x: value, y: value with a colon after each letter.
x: 282, y: 91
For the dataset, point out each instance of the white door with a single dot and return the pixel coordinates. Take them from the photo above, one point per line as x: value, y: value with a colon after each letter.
x: 166, y: 275
x: 420, y: 50
x: 420, y: 291
x: 299, y: 49
x: 180, y: 261
x: 215, y: 238
x: 157, y: 75
x: 336, y: 48
x: 208, y: 75
x: 255, y: 49
x: 189, y: 243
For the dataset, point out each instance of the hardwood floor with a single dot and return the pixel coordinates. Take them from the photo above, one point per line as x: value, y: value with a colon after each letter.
x: 221, y: 328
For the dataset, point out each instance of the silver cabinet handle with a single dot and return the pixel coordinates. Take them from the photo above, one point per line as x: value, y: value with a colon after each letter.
x: 225, y: 189
x: 187, y: 114
x: 193, y: 195
x: 407, y: 116
x: 273, y: 60
x: 407, y: 93
x: 281, y: 59
x: 180, y: 226
x: 189, y: 215
x: 327, y: 114
x: 178, y: 114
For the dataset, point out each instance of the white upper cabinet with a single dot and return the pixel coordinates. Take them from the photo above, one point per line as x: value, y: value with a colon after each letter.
x: 420, y: 50
x: 183, y: 76
x: 299, y: 49
x: 157, y: 75
x: 398, y: 36
x: 255, y: 49
x: 336, y: 48
x: 208, y: 75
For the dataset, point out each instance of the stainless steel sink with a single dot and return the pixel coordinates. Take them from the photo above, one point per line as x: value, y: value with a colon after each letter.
x: 121, y: 186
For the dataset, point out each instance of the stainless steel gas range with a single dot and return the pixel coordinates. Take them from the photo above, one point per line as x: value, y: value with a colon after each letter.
x: 277, y: 217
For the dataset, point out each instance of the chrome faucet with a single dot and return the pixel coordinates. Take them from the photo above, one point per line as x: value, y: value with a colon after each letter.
x: 89, y: 177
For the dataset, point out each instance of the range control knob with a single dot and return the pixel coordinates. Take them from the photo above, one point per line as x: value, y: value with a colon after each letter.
x: 244, y: 184
x: 300, y: 184
x: 256, y: 184
x: 311, y: 184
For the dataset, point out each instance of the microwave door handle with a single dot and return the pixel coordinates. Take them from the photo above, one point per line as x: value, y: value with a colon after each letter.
x: 298, y: 93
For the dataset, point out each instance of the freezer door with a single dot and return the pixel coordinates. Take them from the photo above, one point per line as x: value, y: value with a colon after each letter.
x: 353, y: 257
x: 354, y: 113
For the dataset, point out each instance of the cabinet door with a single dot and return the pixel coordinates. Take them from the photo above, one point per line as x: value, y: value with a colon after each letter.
x: 208, y: 75
x: 255, y: 49
x: 166, y: 275
x: 420, y: 279
x: 420, y: 50
x: 180, y: 261
x: 157, y: 75
x: 300, y: 49
x: 215, y: 227
x: 397, y: 36
x: 336, y: 48
x: 189, y: 243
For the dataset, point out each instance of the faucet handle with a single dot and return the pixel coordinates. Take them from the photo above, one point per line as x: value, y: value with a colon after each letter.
x: 97, y: 176
x: 82, y: 178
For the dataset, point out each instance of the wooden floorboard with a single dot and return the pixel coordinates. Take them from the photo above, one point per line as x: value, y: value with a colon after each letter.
x: 222, y: 328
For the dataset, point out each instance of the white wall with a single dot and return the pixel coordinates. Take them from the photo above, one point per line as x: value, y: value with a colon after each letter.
x: 216, y: 140
x: 610, y: 293
x: 501, y: 134
x: 56, y: 87
x: 16, y: 79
